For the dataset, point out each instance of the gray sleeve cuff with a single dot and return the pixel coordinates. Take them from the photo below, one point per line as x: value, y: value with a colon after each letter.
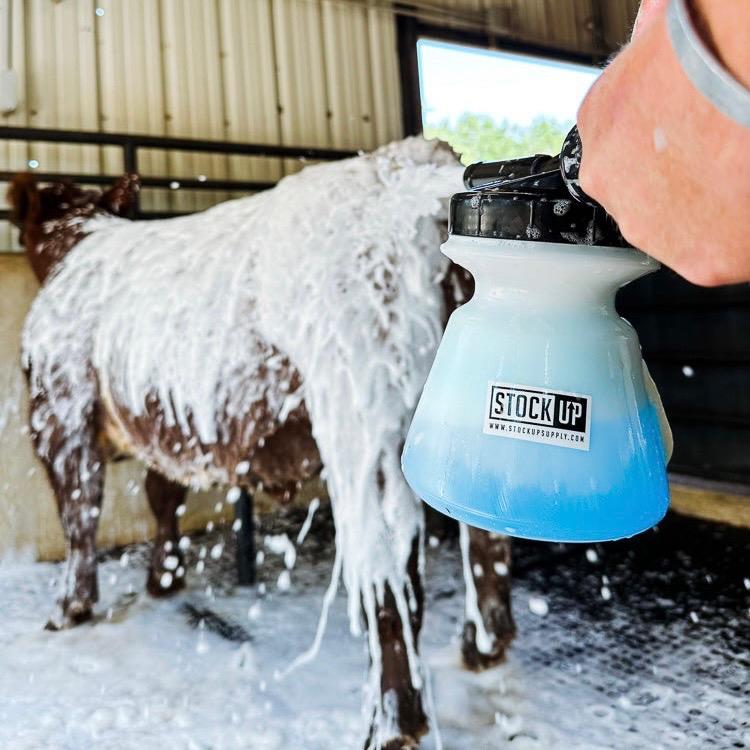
x: 706, y: 73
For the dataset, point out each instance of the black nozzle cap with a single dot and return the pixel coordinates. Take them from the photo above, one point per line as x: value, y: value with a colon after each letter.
x: 532, y: 216
x: 489, y: 174
x: 534, y: 198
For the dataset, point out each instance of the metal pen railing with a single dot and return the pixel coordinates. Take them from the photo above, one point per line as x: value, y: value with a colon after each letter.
x: 131, y: 143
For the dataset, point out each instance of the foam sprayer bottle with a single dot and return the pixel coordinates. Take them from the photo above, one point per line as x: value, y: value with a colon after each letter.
x: 539, y: 418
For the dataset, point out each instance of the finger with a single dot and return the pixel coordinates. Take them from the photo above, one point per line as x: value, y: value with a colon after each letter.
x: 647, y: 13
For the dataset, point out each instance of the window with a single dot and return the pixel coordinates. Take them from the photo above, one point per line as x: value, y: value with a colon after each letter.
x: 498, y: 105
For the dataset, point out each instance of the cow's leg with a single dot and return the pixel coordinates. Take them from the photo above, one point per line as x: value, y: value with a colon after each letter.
x: 401, y: 700
x: 74, y: 463
x: 489, y: 626
x: 166, y: 573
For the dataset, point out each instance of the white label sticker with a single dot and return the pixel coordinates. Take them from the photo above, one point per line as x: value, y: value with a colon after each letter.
x: 539, y: 415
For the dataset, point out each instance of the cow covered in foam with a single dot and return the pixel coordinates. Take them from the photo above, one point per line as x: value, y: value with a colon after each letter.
x: 260, y: 341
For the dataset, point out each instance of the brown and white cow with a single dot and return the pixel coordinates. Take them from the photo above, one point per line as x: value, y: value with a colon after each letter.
x: 254, y: 342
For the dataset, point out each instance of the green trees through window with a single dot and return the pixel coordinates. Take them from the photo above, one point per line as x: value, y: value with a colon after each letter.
x: 478, y: 137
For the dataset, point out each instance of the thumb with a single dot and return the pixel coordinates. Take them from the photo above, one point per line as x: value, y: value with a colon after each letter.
x: 647, y: 13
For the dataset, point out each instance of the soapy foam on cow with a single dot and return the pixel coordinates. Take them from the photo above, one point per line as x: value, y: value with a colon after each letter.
x: 338, y: 268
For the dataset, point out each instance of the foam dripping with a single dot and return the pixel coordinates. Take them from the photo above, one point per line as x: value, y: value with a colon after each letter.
x: 337, y: 267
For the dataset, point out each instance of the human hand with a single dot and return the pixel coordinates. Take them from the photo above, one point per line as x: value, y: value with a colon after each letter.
x: 671, y: 169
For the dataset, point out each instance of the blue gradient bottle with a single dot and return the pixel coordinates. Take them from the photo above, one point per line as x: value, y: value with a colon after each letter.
x: 538, y: 418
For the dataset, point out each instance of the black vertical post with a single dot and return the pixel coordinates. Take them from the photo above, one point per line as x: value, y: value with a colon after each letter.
x: 407, y: 31
x: 130, y: 165
x: 243, y: 512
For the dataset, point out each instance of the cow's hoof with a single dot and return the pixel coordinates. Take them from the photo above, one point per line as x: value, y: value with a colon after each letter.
x: 163, y: 583
x: 402, y: 743
x: 476, y: 660
x: 70, y: 615
x: 409, y: 740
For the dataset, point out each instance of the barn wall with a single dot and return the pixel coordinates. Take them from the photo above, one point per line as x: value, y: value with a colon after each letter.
x: 591, y: 26
x: 296, y: 72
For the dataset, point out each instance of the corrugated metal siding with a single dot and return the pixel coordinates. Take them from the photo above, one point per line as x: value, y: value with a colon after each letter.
x: 251, y: 100
x: 349, y: 87
x: 131, y: 97
x: 297, y: 72
x: 618, y: 21
x: 14, y: 154
x: 566, y: 24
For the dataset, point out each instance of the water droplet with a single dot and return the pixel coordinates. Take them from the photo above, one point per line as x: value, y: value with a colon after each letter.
x: 284, y: 581
x: 538, y: 605
x: 501, y: 568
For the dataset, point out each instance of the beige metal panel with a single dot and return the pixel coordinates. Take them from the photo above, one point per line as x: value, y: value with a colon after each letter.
x: 62, y: 79
x: 14, y: 154
x: 250, y: 92
x: 559, y: 23
x: 41, y: 31
x: 385, y: 76
x: 619, y: 16
x: 550, y: 20
x: 131, y: 84
x: 348, y: 78
x: 531, y: 20
x: 583, y: 25
x: 300, y: 66
x: 194, y: 91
